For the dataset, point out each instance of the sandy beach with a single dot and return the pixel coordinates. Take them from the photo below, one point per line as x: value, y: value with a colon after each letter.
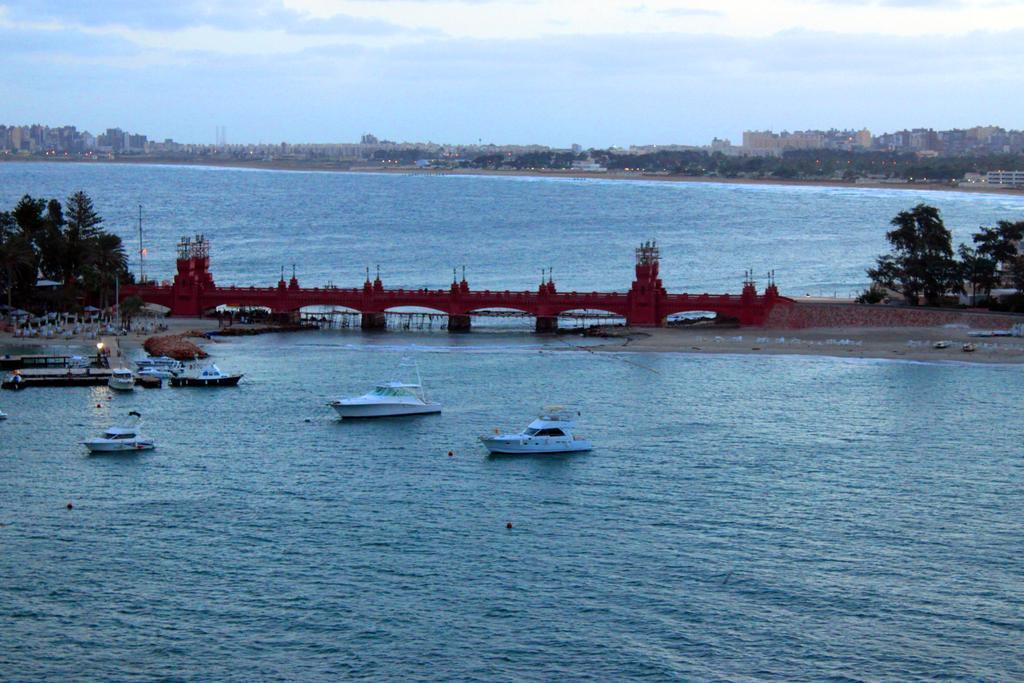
x: 898, y: 343
x: 82, y: 345
x: 894, y: 343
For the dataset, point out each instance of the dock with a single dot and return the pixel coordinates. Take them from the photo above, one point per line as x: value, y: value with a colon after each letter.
x: 8, y: 362
x: 70, y: 377
x: 64, y: 377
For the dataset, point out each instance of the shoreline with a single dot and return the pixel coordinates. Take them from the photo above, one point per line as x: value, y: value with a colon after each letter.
x: 881, y: 343
x: 302, y: 167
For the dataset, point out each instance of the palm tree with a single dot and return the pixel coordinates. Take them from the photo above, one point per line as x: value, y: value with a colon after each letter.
x: 107, y: 263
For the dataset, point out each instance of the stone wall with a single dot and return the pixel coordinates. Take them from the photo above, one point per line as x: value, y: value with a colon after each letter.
x: 807, y: 315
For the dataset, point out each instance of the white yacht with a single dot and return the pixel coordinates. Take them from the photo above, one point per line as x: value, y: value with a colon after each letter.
x: 390, y: 399
x: 551, y: 432
x: 120, y: 439
x: 121, y: 379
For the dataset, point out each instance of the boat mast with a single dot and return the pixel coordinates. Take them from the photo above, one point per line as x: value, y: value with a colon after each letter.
x: 142, y: 250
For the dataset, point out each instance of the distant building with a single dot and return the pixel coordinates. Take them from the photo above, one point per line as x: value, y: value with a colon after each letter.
x: 588, y: 165
x: 368, y: 139
x: 1005, y: 178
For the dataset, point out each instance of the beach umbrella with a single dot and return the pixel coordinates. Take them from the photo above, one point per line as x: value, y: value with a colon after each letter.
x: 91, y: 309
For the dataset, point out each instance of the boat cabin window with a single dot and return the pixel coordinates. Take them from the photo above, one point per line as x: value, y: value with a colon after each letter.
x: 549, y: 432
x: 392, y: 391
x: 119, y: 435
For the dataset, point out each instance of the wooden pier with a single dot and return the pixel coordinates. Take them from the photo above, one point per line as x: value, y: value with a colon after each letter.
x: 64, y: 377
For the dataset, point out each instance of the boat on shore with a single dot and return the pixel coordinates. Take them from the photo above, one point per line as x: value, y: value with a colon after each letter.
x: 551, y: 433
x: 206, y: 376
x: 121, y: 439
x: 389, y: 399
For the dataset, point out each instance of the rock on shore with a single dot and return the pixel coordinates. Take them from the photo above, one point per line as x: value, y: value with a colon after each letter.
x: 176, y: 346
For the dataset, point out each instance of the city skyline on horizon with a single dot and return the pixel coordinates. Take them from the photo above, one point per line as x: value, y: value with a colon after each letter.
x: 511, y: 72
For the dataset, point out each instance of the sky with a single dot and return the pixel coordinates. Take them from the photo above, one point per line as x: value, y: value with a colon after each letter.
x: 554, y: 72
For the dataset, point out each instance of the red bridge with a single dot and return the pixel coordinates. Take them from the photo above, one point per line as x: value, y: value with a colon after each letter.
x: 646, y: 304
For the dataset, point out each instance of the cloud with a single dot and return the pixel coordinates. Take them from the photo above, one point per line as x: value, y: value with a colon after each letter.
x: 900, y: 4
x: 177, y: 15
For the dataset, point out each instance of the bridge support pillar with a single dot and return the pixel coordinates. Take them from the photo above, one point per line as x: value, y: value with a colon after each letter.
x: 286, y: 318
x: 374, y: 321
x: 547, y: 324
x: 458, y: 323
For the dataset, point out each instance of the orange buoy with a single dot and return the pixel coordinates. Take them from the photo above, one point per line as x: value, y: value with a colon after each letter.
x: 508, y: 525
x: 451, y: 453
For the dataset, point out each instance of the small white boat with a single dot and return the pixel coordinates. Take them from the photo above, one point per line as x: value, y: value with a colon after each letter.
x: 391, y: 399
x: 121, y: 439
x: 940, y: 345
x: 121, y: 379
x: 551, y: 432
x: 968, y: 348
x: 3, y: 415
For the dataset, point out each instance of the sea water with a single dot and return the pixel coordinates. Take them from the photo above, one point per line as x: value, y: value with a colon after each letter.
x: 741, y: 518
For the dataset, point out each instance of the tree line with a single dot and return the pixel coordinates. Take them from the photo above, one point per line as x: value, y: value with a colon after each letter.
x: 818, y: 164
x: 42, y: 239
x: 923, y: 266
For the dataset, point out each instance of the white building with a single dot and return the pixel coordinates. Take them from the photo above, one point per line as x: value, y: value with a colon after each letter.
x: 588, y: 166
x: 1005, y: 178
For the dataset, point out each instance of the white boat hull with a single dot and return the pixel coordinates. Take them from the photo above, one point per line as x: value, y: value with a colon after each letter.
x: 384, y: 409
x: 517, y: 445
x: 112, y: 446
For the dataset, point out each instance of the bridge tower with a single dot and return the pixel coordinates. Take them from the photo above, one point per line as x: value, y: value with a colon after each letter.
x: 647, y: 292
x: 193, y: 276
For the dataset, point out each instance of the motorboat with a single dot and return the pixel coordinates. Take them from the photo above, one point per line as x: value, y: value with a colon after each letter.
x: 206, y: 376
x: 940, y: 345
x: 390, y: 399
x: 121, y: 379
x: 968, y: 348
x: 163, y: 362
x: 121, y: 439
x: 551, y: 432
x: 3, y: 415
x: 162, y: 371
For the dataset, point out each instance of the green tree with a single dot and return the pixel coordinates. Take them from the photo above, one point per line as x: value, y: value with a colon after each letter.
x: 978, y: 270
x: 17, y: 260
x: 921, y: 262
x: 1000, y: 244
x: 81, y: 227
